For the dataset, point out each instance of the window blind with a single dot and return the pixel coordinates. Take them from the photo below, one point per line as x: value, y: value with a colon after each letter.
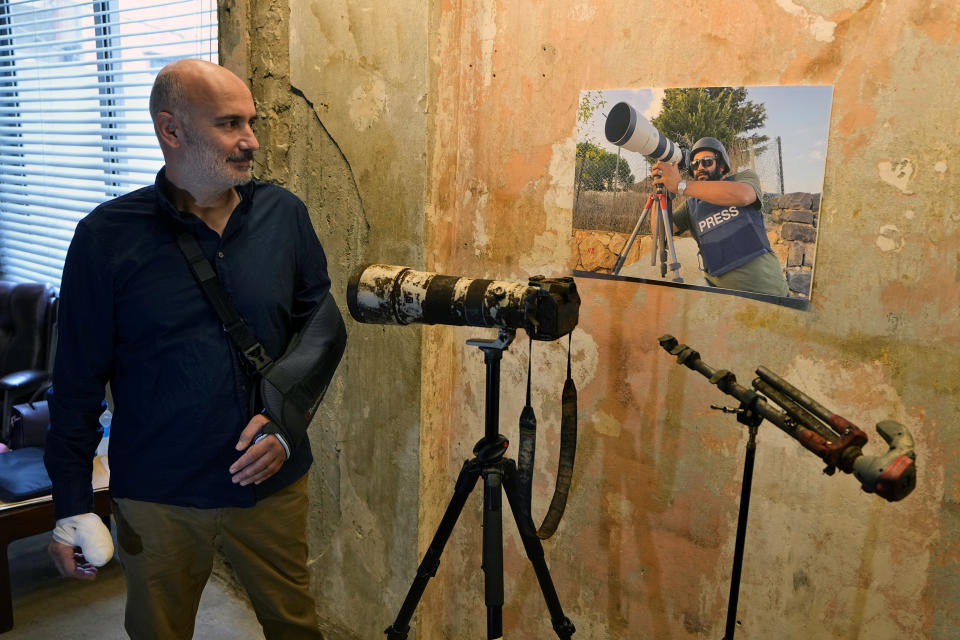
x: 75, y: 131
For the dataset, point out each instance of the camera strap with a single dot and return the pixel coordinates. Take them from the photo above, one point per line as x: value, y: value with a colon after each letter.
x: 233, y: 324
x: 526, y: 455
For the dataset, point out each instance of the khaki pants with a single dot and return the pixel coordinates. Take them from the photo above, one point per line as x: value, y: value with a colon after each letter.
x: 167, y: 555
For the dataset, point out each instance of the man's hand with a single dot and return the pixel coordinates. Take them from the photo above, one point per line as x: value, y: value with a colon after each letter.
x: 261, y: 460
x: 69, y: 562
x: 669, y: 175
x: 722, y: 192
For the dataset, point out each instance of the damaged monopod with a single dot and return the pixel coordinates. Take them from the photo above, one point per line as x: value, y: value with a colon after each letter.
x: 838, y: 442
x: 832, y: 438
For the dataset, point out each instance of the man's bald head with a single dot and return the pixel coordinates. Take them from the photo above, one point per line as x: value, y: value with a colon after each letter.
x: 190, y: 80
x: 203, y: 116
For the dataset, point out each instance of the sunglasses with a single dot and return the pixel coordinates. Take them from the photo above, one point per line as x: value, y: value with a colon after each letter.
x: 706, y: 163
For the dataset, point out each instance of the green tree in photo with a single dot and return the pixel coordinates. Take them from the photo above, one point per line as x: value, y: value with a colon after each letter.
x: 590, y: 102
x: 600, y: 170
x: 723, y: 113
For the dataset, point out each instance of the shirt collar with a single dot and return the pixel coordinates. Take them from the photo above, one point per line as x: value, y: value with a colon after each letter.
x: 164, y: 187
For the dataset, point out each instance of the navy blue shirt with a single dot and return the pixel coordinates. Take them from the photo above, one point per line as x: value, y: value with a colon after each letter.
x: 132, y: 314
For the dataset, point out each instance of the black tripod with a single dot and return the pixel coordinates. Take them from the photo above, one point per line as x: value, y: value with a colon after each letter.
x: 497, y: 471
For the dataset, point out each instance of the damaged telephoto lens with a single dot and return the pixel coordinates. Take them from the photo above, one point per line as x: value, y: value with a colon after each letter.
x: 546, y: 308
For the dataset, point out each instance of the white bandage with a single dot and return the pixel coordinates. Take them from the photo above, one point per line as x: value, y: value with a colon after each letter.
x: 87, y: 531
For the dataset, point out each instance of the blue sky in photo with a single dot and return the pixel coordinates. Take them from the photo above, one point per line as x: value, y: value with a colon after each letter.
x: 799, y: 115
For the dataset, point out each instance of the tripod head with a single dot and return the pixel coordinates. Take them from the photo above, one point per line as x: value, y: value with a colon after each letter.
x: 501, y: 343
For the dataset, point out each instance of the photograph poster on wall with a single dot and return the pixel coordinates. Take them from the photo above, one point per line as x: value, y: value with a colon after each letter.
x: 765, y: 140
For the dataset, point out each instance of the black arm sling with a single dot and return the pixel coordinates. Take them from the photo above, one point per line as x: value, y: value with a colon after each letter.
x: 292, y: 386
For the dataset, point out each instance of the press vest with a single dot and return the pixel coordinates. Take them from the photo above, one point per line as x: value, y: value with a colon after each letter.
x: 729, y: 236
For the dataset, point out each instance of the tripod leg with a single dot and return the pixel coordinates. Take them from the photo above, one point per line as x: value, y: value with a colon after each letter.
x: 664, y: 238
x: 466, y: 481
x: 493, y: 550
x: 534, y: 548
x: 655, y: 235
x: 633, y: 236
x: 675, y: 265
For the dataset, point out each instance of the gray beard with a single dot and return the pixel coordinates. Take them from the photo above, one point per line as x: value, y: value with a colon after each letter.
x: 207, y: 167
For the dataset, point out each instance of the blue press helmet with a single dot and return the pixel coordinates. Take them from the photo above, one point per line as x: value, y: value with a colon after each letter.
x: 713, y: 145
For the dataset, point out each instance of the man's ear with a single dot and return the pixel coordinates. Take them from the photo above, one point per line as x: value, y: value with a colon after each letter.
x: 169, y: 129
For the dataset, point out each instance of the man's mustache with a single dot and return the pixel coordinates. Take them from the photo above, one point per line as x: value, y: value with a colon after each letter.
x: 244, y: 156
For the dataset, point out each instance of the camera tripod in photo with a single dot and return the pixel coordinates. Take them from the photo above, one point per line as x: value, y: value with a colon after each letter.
x: 661, y: 233
x: 627, y: 128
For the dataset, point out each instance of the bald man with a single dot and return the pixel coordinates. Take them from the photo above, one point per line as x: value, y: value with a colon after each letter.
x: 192, y: 466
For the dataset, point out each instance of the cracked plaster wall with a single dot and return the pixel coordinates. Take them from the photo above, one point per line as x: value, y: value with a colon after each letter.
x: 447, y: 129
x: 331, y: 132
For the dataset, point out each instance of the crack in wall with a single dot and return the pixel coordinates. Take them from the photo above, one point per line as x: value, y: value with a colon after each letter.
x: 353, y: 179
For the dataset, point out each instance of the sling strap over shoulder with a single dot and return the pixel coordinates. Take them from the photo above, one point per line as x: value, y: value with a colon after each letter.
x: 251, y: 349
x: 292, y: 386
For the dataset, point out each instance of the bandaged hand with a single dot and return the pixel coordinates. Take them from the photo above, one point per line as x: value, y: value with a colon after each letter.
x: 87, y: 531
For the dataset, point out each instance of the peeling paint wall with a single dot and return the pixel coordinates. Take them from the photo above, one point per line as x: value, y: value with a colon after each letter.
x: 441, y: 135
x: 645, y: 549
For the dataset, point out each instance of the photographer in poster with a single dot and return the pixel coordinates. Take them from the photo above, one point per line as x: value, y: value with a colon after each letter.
x: 724, y: 214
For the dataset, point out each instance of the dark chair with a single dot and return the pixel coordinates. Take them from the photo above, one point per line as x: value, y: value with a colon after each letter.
x: 27, y: 342
x: 28, y: 313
